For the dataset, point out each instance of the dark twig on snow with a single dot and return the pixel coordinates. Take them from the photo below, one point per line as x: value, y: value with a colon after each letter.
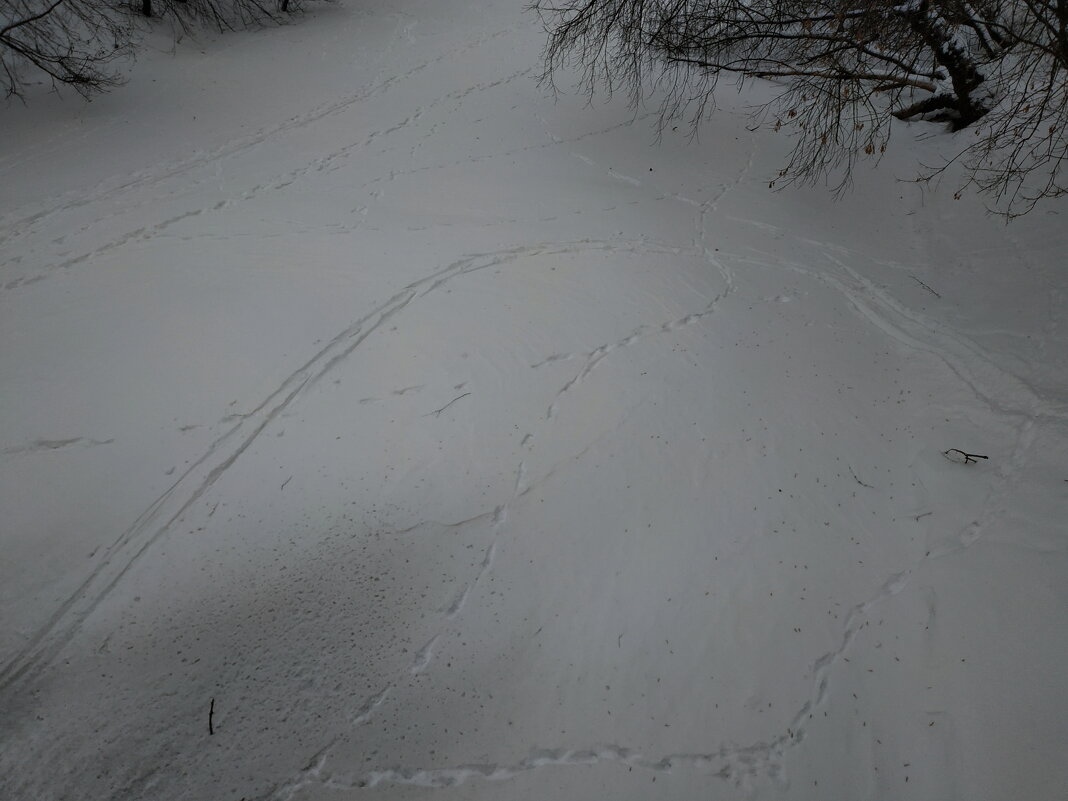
x: 211, y: 715
x: 968, y: 457
x: 284, y: 483
x: 857, y: 479
x: 437, y: 412
x: 921, y: 283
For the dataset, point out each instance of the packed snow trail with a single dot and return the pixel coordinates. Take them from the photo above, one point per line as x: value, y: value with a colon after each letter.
x: 432, y: 437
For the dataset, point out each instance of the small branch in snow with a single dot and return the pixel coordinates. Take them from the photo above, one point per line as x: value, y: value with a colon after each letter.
x: 211, y: 715
x: 437, y: 412
x: 284, y: 483
x: 968, y: 458
x: 921, y: 283
x: 857, y: 478
x: 918, y: 518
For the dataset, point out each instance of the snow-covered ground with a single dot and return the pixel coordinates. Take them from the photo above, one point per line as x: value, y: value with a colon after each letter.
x: 443, y: 441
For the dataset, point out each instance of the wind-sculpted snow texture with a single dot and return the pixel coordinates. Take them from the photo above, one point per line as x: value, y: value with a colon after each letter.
x: 431, y: 438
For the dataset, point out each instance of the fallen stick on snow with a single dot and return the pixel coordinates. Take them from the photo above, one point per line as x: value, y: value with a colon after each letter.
x: 921, y: 283
x: 857, y: 478
x: 968, y: 457
x: 437, y: 412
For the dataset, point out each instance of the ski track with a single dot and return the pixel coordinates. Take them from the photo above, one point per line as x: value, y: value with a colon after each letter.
x: 1002, y: 393
x: 157, y: 519
x: 14, y: 227
x: 326, y: 163
x: 740, y: 765
x: 736, y: 762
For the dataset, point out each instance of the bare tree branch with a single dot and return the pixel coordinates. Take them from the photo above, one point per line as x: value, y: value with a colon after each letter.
x: 849, y: 69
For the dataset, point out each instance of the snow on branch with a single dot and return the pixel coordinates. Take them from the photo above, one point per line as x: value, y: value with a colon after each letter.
x: 847, y: 70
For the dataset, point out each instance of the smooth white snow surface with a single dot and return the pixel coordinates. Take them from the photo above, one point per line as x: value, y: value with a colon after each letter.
x: 464, y: 444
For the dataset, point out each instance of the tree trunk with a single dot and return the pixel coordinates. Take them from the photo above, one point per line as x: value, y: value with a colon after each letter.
x: 963, y: 73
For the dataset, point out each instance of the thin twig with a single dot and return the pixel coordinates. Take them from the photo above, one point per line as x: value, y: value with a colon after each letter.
x: 921, y: 283
x: 857, y: 479
x: 437, y: 412
x: 284, y: 483
x: 211, y: 715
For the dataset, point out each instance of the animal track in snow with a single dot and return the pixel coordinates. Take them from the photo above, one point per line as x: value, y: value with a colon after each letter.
x: 16, y: 225
x: 597, y: 355
x: 37, y: 446
x: 424, y: 656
